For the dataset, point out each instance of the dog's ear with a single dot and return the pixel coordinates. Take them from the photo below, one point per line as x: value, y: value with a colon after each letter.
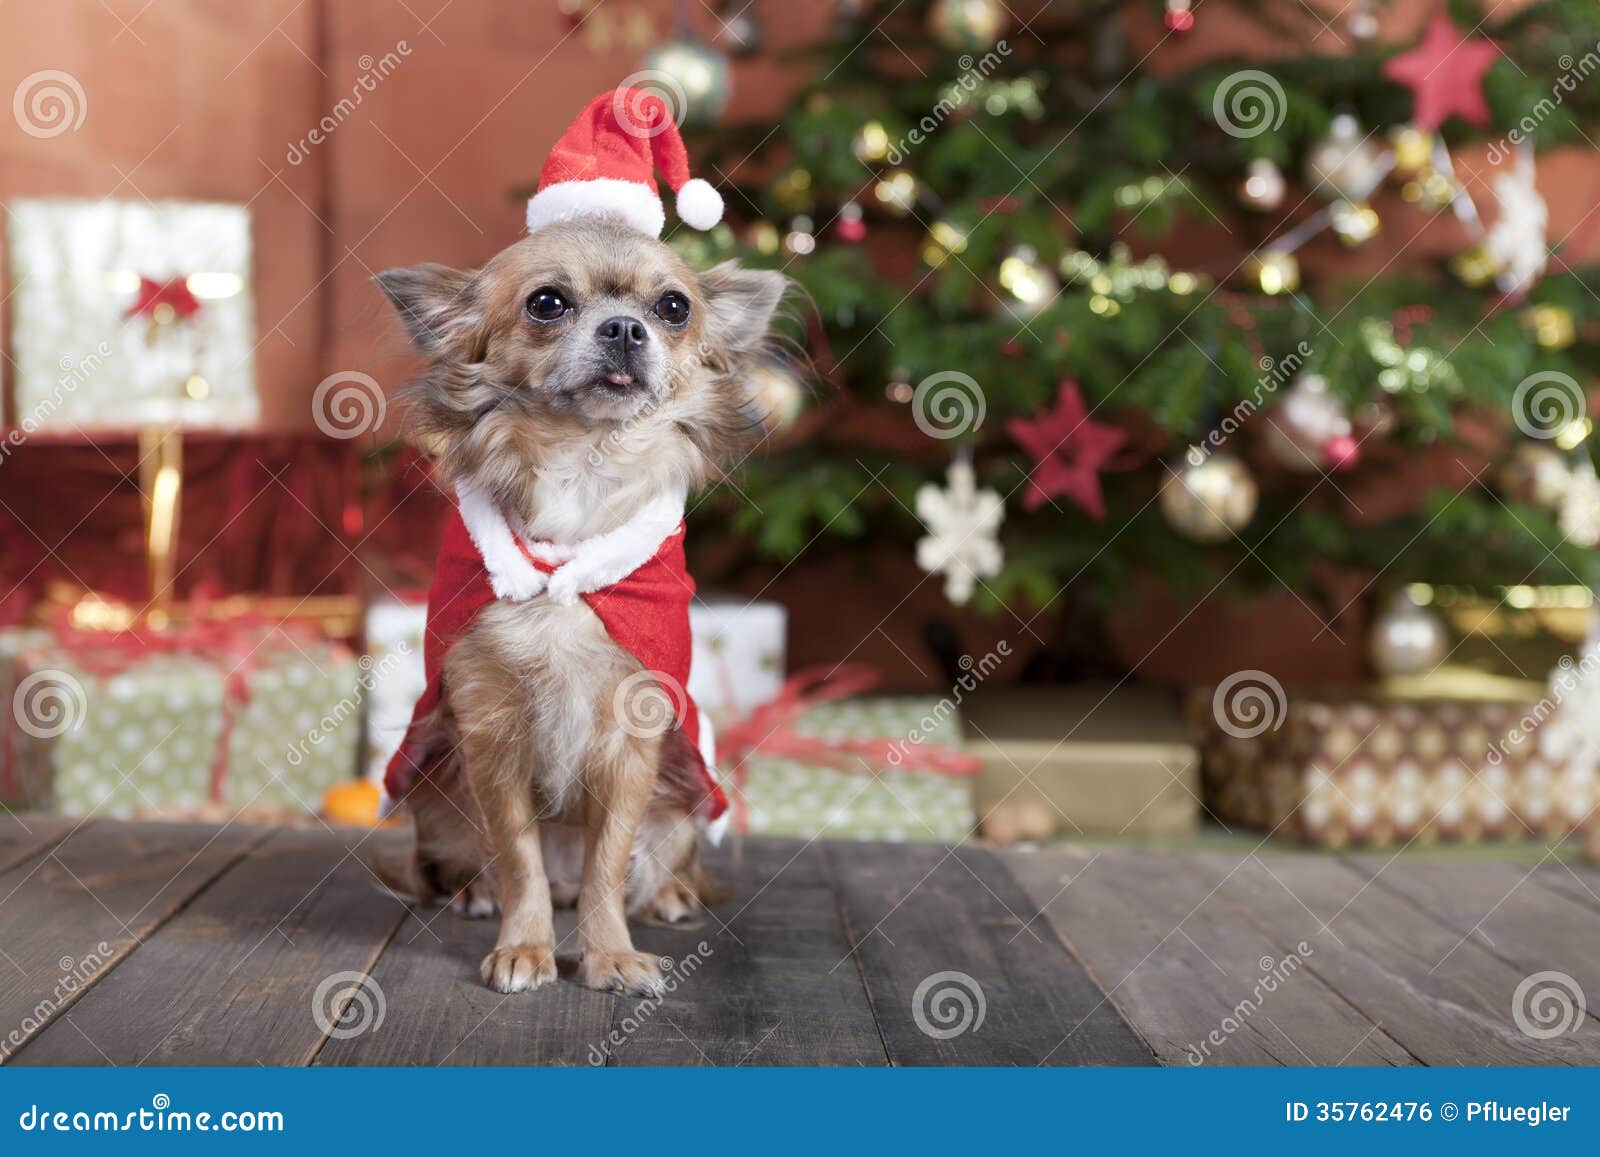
x: 741, y: 303
x: 440, y: 309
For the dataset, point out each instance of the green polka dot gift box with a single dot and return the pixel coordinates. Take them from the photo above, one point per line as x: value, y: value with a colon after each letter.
x: 898, y: 798
x: 246, y: 718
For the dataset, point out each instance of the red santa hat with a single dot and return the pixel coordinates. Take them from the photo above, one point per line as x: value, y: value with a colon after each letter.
x: 604, y: 165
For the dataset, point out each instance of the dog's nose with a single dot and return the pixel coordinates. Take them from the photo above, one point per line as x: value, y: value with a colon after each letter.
x: 624, y: 334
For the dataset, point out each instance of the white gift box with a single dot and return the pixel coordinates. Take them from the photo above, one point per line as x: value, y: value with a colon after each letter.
x: 84, y: 359
x: 396, y: 678
x: 739, y: 653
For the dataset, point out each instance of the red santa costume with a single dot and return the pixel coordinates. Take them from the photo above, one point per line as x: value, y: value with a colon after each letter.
x: 634, y: 578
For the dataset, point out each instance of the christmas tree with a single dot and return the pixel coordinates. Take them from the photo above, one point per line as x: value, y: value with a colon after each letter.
x: 1080, y: 315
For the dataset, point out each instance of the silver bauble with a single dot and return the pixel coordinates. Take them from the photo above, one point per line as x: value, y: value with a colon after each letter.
x: 1304, y: 421
x: 1343, y: 164
x: 1209, y: 498
x: 1406, y: 639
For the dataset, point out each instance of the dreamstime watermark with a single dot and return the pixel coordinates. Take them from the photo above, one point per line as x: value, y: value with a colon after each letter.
x: 349, y: 706
x: 646, y: 703
x: 947, y: 1004
x: 49, y: 703
x: 948, y: 404
x: 73, y: 375
x: 1248, y: 103
x: 1274, y: 373
x: 48, y: 103
x: 634, y: 102
x: 75, y: 975
x: 348, y: 404
x: 1249, y: 703
x: 951, y: 101
x: 1548, y: 1004
x: 1565, y: 679
x: 373, y: 73
x: 1274, y: 973
x: 676, y: 974
x: 347, y: 1004
x: 973, y: 674
x: 1573, y: 73
x: 1547, y: 403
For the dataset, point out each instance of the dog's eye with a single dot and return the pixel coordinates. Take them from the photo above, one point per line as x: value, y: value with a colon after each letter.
x: 547, y: 304
x: 673, y: 308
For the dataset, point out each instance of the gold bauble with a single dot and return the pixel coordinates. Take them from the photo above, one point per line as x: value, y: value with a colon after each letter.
x: 1475, y: 267
x: 1209, y: 499
x: 896, y: 191
x: 1413, y: 149
x: 871, y: 142
x: 764, y: 237
x: 1354, y: 222
x: 966, y: 24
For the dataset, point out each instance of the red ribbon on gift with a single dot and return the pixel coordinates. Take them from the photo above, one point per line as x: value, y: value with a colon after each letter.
x: 769, y: 731
x: 237, y: 642
x: 173, y: 293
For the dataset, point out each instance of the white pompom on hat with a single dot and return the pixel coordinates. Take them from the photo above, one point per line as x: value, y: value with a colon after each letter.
x: 604, y: 165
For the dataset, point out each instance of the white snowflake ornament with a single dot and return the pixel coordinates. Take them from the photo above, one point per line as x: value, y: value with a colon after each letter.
x: 1518, y: 241
x: 963, y: 525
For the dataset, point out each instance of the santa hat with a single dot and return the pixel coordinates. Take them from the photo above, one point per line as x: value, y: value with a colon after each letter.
x: 604, y: 165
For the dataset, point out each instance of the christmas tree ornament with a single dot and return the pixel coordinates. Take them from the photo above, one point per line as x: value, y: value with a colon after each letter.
x: 697, y: 70
x: 1179, y: 16
x: 1344, y: 163
x: 1263, y: 186
x: 1029, y: 283
x: 1208, y: 498
x: 740, y: 31
x: 764, y: 237
x: 896, y: 191
x: 871, y: 143
x: 960, y: 25
x: 1517, y: 241
x: 1305, y: 421
x: 963, y: 525
x: 776, y: 395
x: 1536, y: 474
x: 1475, y: 267
x: 1579, y: 517
x: 1276, y: 271
x: 1362, y: 25
x: 1069, y: 452
x: 944, y: 241
x: 1341, y: 452
x: 851, y: 225
x: 1406, y: 639
x: 801, y: 239
x: 1430, y: 190
x: 1354, y: 222
x: 1552, y: 326
x: 793, y: 189
x: 1445, y: 74
x: 899, y: 390
x: 1413, y: 149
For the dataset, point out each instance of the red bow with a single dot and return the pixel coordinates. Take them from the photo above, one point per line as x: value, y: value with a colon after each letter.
x: 174, y: 294
x: 769, y: 731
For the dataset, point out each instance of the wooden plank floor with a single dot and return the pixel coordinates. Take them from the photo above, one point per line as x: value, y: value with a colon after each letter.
x: 152, y: 944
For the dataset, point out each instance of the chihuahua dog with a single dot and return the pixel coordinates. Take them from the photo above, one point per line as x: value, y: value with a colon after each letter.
x: 579, y: 385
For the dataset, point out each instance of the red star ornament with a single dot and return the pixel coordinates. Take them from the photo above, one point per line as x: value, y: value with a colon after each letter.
x: 1445, y: 74
x: 1069, y: 451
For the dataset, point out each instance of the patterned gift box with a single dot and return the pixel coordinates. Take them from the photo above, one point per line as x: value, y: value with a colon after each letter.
x: 131, y: 313
x: 1332, y: 770
x: 265, y: 724
x: 396, y: 678
x: 787, y: 797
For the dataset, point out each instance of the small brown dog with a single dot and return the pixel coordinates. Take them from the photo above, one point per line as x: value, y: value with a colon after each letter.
x: 579, y: 386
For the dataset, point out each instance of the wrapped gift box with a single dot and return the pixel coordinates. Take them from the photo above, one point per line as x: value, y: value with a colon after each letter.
x: 396, y: 677
x: 1084, y: 760
x: 1339, y: 769
x: 118, y: 728
x: 790, y: 797
x: 128, y: 313
x: 739, y: 648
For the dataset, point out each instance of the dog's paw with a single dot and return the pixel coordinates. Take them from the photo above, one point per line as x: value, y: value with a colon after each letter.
x: 672, y: 905
x: 632, y: 973
x: 519, y: 967
x: 475, y: 901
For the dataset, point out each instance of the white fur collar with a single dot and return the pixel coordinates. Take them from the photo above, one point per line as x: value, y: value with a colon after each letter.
x: 581, y: 567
